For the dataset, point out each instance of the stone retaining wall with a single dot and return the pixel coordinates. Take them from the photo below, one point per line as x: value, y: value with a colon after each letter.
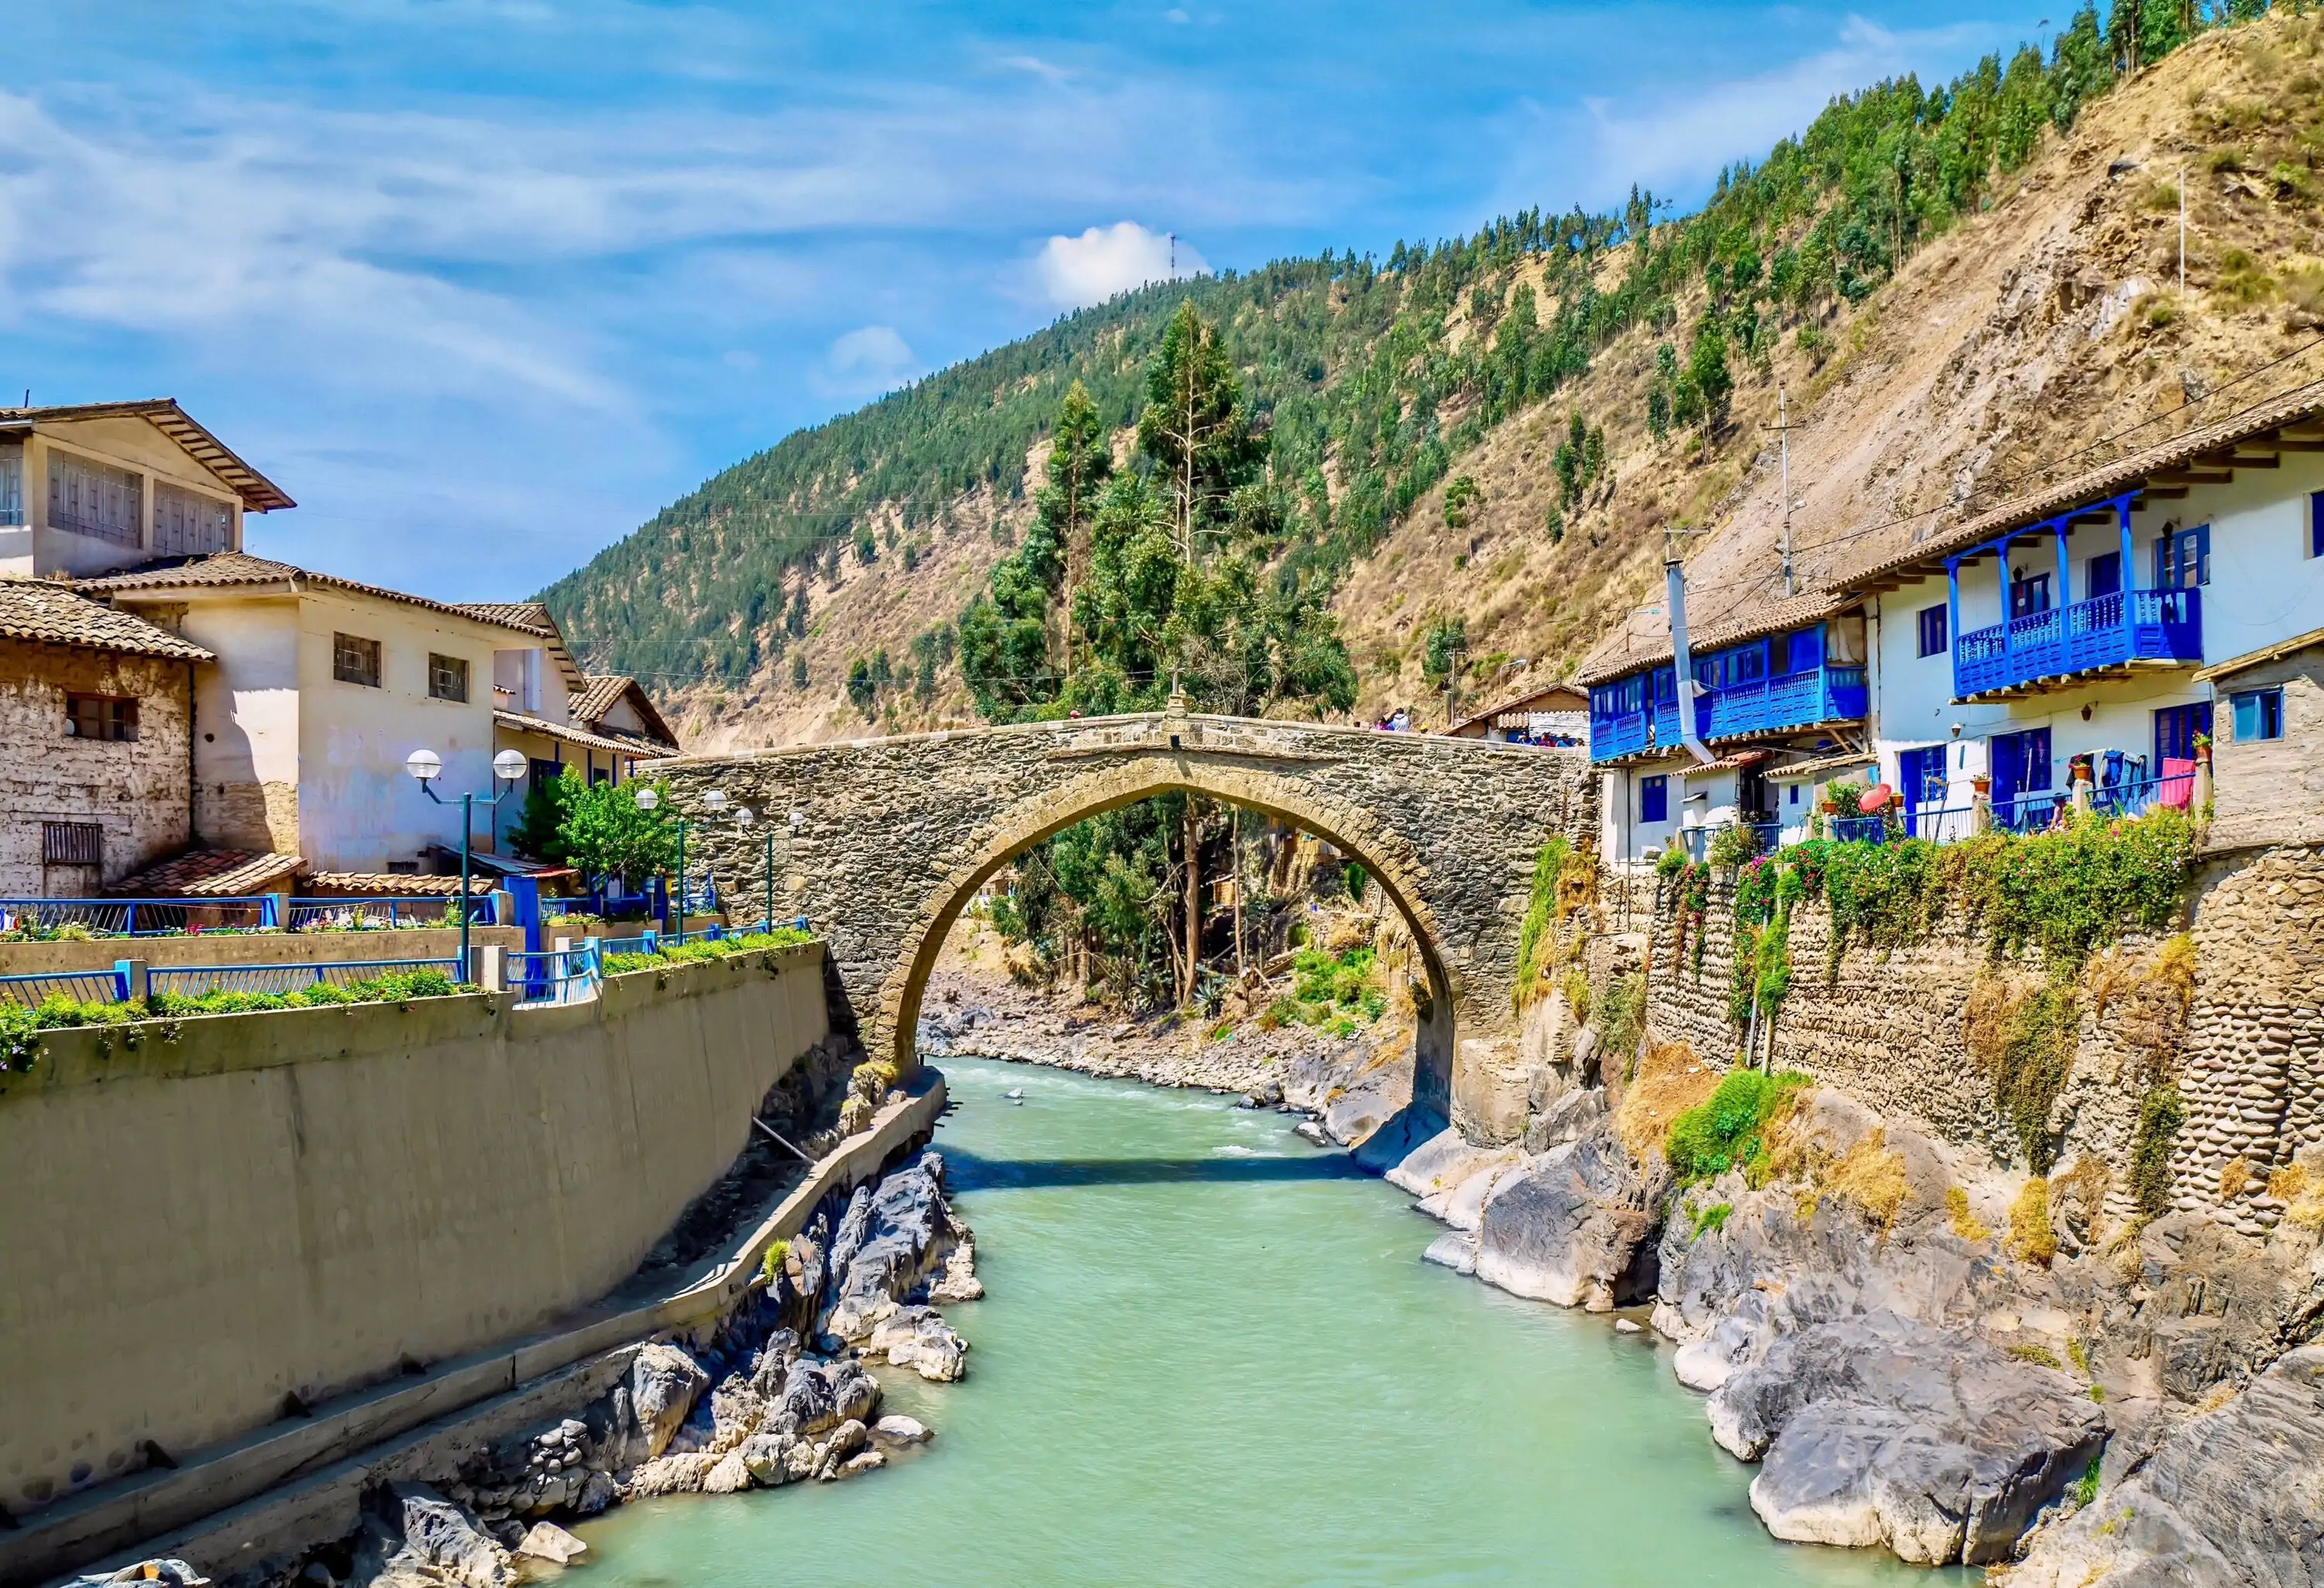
x: 220, y: 949
x: 1891, y: 1030
x: 208, y: 1215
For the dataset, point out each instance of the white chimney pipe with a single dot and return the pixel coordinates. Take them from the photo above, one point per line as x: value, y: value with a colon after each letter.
x: 1682, y: 662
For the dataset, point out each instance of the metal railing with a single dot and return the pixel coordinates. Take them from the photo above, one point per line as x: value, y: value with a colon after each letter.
x: 193, y: 979
x: 2124, y: 625
x: 143, y: 918
x: 384, y: 914
x: 644, y: 943
x: 2137, y: 795
x: 79, y: 986
x: 556, y: 975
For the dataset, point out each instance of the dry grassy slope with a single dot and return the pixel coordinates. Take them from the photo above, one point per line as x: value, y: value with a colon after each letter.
x: 2023, y: 334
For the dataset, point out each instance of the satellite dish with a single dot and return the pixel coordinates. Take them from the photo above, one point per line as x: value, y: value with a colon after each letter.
x: 1876, y: 799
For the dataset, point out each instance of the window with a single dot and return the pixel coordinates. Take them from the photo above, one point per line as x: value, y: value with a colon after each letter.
x: 2183, y: 558
x: 354, y: 661
x: 92, y: 499
x: 448, y: 677
x: 187, y: 523
x: 543, y: 772
x: 100, y: 716
x: 1793, y: 795
x: 2259, y: 715
x: 402, y: 868
x: 2315, y: 522
x: 1932, y: 631
x: 1654, y: 799
x: 2176, y: 728
x: 2102, y: 575
x: 1803, y: 652
x: 2029, y: 595
x: 11, y: 484
x: 72, y: 843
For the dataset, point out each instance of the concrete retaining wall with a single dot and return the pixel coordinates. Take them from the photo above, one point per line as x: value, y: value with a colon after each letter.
x: 208, y: 1215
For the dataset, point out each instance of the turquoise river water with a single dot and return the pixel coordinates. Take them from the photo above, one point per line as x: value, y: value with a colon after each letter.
x: 1209, y: 1353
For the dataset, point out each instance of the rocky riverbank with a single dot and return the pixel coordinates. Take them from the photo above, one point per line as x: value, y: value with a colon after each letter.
x: 2105, y: 1405
x: 1350, y: 1086
x: 781, y: 1391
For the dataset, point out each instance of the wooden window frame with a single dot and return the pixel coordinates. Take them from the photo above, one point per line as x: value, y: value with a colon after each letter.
x: 65, y: 843
x: 441, y: 670
x: 116, y: 716
x: 349, y: 655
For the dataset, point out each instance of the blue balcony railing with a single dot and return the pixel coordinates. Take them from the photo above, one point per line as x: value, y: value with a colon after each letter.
x: 1794, y: 700
x: 2107, y: 631
x: 1634, y: 732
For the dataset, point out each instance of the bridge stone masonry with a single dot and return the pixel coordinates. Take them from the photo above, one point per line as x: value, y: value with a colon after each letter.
x: 880, y: 843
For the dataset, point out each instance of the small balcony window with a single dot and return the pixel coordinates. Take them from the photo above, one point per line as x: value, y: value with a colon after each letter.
x: 1932, y: 631
x: 11, y: 484
x: 448, y: 677
x: 2102, y: 575
x: 100, y: 716
x: 1654, y: 799
x: 94, y: 500
x: 2183, y: 558
x: 2029, y: 595
x: 354, y: 661
x: 2258, y: 715
x: 187, y: 523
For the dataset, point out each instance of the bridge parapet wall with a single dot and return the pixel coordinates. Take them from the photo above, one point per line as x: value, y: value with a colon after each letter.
x: 881, y: 842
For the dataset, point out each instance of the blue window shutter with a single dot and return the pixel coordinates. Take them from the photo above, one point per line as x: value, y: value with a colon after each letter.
x: 1654, y: 799
x: 2316, y: 523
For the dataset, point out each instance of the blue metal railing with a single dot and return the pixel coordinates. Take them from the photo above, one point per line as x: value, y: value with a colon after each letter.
x: 383, y: 914
x: 2106, y: 631
x: 195, y: 980
x: 2033, y: 811
x: 80, y: 986
x: 1860, y: 829
x: 568, y: 975
x: 143, y: 918
x: 2137, y: 795
x: 644, y: 943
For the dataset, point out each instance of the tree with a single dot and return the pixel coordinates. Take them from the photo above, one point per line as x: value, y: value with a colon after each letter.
x: 798, y: 670
x: 1658, y: 413
x: 1195, y: 426
x: 1081, y: 459
x: 867, y: 545
x: 539, y: 833
x: 1706, y: 368
x: 1461, y: 497
x: 1447, y: 641
x: 860, y: 689
x: 605, y: 834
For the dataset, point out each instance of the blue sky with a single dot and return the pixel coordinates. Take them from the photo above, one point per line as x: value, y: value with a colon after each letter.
x: 485, y: 282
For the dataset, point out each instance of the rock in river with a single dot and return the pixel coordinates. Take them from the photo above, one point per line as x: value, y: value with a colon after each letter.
x: 1574, y: 1226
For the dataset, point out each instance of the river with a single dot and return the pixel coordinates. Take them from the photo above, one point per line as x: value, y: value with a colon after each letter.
x: 1210, y: 1354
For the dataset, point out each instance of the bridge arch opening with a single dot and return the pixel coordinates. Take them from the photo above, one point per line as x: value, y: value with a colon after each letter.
x: 1386, y: 859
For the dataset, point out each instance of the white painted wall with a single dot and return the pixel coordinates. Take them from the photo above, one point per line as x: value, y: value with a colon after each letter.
x: 2264, y: 587
x: 38, y: 550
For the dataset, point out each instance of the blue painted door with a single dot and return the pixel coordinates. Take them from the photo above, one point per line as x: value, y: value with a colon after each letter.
x: 1921, y: 783
x: 2021, y: 766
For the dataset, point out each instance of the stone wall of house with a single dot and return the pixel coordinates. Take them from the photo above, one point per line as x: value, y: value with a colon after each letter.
x: 1890, y: 1027
x: 135, y: 790
x: 2272, y: 791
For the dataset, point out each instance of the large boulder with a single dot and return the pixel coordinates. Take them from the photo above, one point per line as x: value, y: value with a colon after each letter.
x: 419, y: 1537
x: 664, y: 1383
x: 886, y: 1245
x: 2232, y: 1497
x: 918, y: 1337
x: 818, y: 1394
x: 1884, y: 1430
x: 1572, y: 1227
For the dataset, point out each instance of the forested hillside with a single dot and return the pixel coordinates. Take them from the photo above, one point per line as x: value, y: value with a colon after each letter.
x: 1474, y: 445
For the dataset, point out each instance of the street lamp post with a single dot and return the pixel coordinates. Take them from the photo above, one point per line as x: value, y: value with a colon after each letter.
x: 714, y: 801
x: 426, y: 766
x: 743, y: 818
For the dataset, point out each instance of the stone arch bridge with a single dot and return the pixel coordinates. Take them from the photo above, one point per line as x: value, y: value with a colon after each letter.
x: 880, y: 843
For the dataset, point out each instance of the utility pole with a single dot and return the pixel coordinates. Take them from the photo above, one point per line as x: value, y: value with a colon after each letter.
x: 1783, y: 428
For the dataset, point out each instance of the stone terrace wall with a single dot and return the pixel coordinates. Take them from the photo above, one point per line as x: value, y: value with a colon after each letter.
x: 1890, y: 1029
x: 206, y: 1215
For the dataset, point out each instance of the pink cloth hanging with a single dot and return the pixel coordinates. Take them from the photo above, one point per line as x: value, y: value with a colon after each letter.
x: 2178, y: 782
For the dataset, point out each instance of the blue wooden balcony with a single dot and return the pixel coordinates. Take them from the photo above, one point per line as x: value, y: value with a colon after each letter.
x: 2107, y: 630
x: 1795, y: 700
x: 1615, y: 734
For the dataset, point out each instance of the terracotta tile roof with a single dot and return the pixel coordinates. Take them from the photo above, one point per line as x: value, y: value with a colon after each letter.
x: 258, y: 494
x: 210, y: 874
x: 1749, y: 623
x: 1820, y: 765
x: 50, y: 614
x: 2261, y: 657
x: 393, y: 884
x: 529, y: 615
x: 2124, y: 474
x: 239, y: 569
x: 518, y: 722
x: 604, y: 691
x: 1523, y: 701
x: 1725, y: 763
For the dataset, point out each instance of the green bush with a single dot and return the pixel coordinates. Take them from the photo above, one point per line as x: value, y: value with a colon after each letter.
x: 20, y: 1026
x: 1709, y: 1221
x: 2160, y: 1115
x: 1725, y: 1131
x: 702, y: 948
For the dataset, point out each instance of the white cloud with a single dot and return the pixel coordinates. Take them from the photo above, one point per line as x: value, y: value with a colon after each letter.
x: 868, y: 359
x: 1048, y: 71
x: 1684, y: 141
x: 1175, y: 15
x: 1077, y: 272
